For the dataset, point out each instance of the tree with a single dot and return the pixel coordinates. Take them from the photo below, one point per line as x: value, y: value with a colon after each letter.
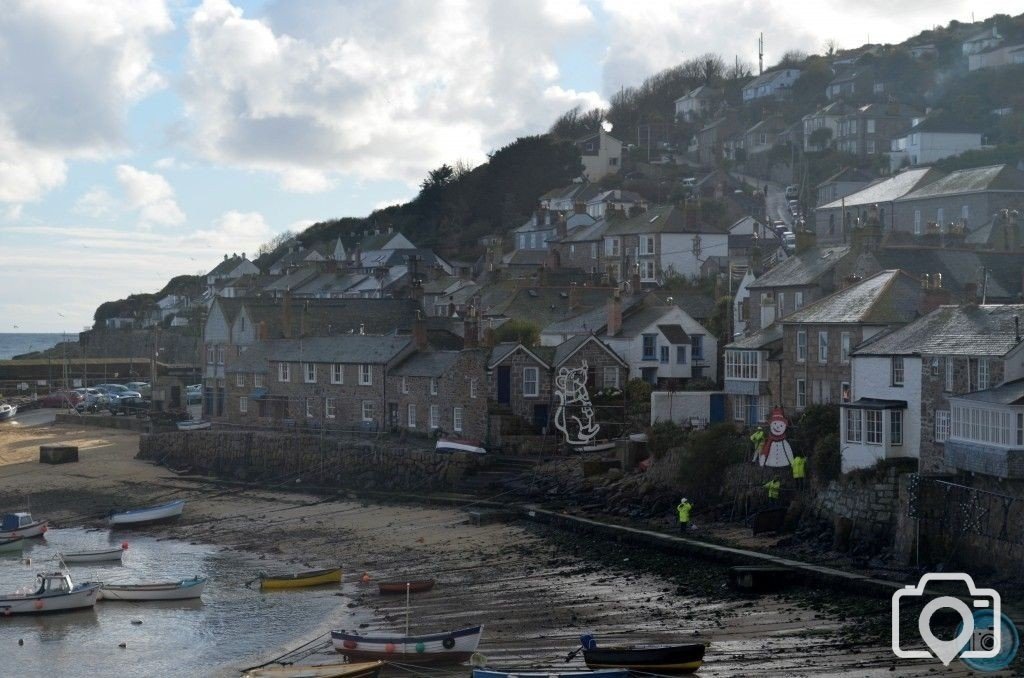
x: 821, y: 137
x: 574, y: 124
x: 518, y: 331
x: 274, y: 243
x: 831, y: 46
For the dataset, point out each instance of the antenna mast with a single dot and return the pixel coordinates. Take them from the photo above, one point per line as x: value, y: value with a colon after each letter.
x: 760, y: 54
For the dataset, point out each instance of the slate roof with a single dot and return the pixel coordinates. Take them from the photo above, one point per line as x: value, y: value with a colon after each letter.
x: 332, y: 317
x: 643, y: 318
x: 1010, y: 393
x: 802, y: 269
x: 356, y: 348
x: 957, y: 267
x: 675, y: 334
x: 594, y: 320
x: 292, y: 258
x: 565, y: 350
x: 661, y: 219
x: 969, y: 330
x: 594, y: 231
x: 700, y: 92
x: 292, y: 280
x: 887, y: 297
x: 768, y: 77
x: 943, y: 125
x: 760, y: 339
x: 327, y: 283
x: 849, y: 174
x: 887, y: 190
x: 501, y: 351
x: 535, y: 258
x: 974, y: 180
x: 426, y: 364
x: 226, y: 266
x: 575, y: 192
x: 697, y: 305
x: 253, y: 359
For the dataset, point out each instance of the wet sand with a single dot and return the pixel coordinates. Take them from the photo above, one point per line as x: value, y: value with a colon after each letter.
x: 535, y: 590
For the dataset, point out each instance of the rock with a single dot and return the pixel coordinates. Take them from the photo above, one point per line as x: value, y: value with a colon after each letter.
x: 136, y: 622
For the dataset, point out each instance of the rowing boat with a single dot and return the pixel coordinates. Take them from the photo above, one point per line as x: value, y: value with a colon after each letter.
x: 401, y: 586
x: 12, y: 545
x: 541, y: 673
x: 457, y: 445
x: 453, y: 647
x: 148, y: 514
x: 302, y: 579
x: 55, y: 593
x: 93, y: 556
x: 360, y: 670
x: 193, y: 425
x: 673, y: 659
x: 177, y: 590
x: 21, y: 525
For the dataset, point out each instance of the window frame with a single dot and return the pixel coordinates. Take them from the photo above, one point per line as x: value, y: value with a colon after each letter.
x: 614, y: 371
x: 410, y: 415
x: 337, y: 373
x: 896, y: 428
x: 949, y: 382
x: 309, y: 373
x: 854, y: 433
x: 258, y: 380
x: 985, y: 383
x: 844, y: 348
x: 331, y: 408
x: 801, y: 346
x: 372, y: 407
x: 310, y: 407
x: 243, y: 404
x: 943, y: 421
x: 535, y: 380
x: 653, y: 340
x: 433, y: 386
x: 240, y: 380
x: 823, y: 347
x: 435, y: 417
x: 801, y: 393
x: 457, y: 421
x: 284, y: 372
x: 874, y: 428
x: 897, y: 371
x: 365, y: 374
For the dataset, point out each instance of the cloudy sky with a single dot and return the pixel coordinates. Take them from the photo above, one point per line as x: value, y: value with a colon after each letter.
x: 140, y: 139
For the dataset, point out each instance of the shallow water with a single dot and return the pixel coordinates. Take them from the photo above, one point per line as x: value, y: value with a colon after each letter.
x: 229, y: 625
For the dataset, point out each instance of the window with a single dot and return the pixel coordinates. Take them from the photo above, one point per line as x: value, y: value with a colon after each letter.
x: 895, y: 427
x: 412, y: 415
x: 844, y: 347
x: 405, y: 386
x: 697, y: 346
x: 871, y: 126
x: 257, y: 380
x: 854, y: 424
x: 337, y: 373
x: 211, y: 354
x: 798, y: 298
x: 869, y: 145
x: 647, y: 244
x: 935, y: 367
x: 433, y: 386
x: 310, y: 407
x: 965, y: 213
x: 897, y: 370
x: 822, y: 347
x: 982, y: 374
x: 368, y: 410
x: 649, y: 346
x: 940, y: 216
x: 531, y: 386
x: 874, y: 427
x: 949, y: 375
x: 284, y: 372
x: 220, y: 355
x: 680, y: 355
x: 647, y: 270
x: 845, y: 395
x: 330, y: 408
x: 742, y: 364
x: 243, y: 405
x: 941, y: 425
x: 780, y: 304
x: 611, y: 247
x: 663, y: 358
x: 240, y: 380
x: 457, y: 419
x: 611, y: 377
x: 472, y: 387
x: 309, y: 370
x: 365, y: 375
x: 435, y: 416
x: 801, y: 346
x: 917, y: 222
x: 593, y: 250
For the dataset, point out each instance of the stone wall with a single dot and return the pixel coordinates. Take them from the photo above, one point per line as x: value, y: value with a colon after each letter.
x: 868, y: 503
x: 255, y: 456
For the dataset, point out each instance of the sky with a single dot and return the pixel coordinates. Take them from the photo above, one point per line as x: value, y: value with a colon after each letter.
x: 143, y: 139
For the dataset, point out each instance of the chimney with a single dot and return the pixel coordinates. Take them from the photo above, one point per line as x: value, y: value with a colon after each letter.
x: 933, y: 294
x: 243, y: 255
x: 225, y: 256
x: 261, y: 331
x: 302, y: 319
x: 614, y: 314
x: 471, y: 330
x: 419, y: 332
x: 580, y: 207
x: 573, y: 296
x: 635, y: 280
x: 561, y: 231
x: 971, y: 293
x: 286, y: 314
x: 416, y: 292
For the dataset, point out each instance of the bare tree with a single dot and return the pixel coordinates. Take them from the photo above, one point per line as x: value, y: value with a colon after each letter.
x: 831, y: 46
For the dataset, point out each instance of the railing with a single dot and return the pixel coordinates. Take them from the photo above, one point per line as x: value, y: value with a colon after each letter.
x: 959, y: 511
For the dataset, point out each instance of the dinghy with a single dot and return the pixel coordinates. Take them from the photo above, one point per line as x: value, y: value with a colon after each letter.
x: 21, y: 525
x: 660, y: 660
x: 8, y: 411
x: 554, y: 673
x: 149, y: 514
x: 302, y: 579
x: 456, y: 445
x: 93, y: 556
x: 193, y: 425
x: 179, y: 590
x: 361, y: 670
x: 12, y: 545
x: 55, y: 593
x: 453, y: 647
x: 403, y: 587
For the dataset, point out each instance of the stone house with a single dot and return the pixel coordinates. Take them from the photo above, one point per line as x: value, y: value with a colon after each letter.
x: 763, y: 136
x: 711, y: 137
x: 582, y: 248
x: 752, y: 373
x: 440, y: 393
x: 966, y: 198
x: 950, y: 383
x: 826, y: 117
x: 833, y: 221
x: 869, y: 129
x: 981, y: 41
x: 853, y: 85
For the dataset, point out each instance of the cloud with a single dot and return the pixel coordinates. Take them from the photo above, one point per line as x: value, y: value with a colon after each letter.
x: 71, y: 70
x: 149, y: 194
x: 234, y: 231
x: 317, y: 90
x: 171, y: 163
x: 96, y: 203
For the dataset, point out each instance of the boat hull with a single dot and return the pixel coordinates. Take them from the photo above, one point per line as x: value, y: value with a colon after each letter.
x: 148, y: 515
x: 360, y: 670
x: 109, y: 555
x: 454, y: 647
x: 453, y: 445
x: 14, y: 545
x: 676, y: 659
x: 302, y: 580
x: 193, y: 425
x: 183, y: 590
x: 85, y: 595
x: 540, y: 673
x: 35, y: 529
x: 8, y: 412
x: 390, y: 587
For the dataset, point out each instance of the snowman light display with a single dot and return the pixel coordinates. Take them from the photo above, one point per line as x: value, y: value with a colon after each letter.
x: 776, y: 451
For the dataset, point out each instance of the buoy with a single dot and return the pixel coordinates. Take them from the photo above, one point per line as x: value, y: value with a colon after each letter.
x: 350, y: 644
x: 122, y: 645
x: 365, y: 578
x: 136, y: 621
x: 39, y: 604
x: 421, y: 648
x: 124, y: 545
x: 390, y: 647
x: 44, y: 528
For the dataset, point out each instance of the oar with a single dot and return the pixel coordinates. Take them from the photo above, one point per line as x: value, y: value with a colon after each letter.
x: 572, y: 655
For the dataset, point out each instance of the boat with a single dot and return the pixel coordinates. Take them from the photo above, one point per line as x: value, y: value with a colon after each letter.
x: 457, y: 445
x: 360, y: 670
x: 149, y: 514
x: 452, y: 647
x: 601, y: 446
x: 14, y: 545
x: 401, y: 586
x: 760, y: 578
x: 21, y: 524
x: 8, y: 411
x: 178, y: 590
x: 193, y: 425
x: 554, y: 673
x: 93, y: 556
x: 302, y: 579
x: 672, y: 659
x: 55, y: 593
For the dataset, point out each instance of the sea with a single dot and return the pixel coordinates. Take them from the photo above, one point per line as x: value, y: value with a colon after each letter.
x: 12, y: 344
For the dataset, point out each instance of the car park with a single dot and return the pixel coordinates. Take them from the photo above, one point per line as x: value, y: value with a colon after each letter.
x: 133, y: 404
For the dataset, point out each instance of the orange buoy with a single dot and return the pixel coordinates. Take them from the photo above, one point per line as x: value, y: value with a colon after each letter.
x: 39, y: 604
x: 390, y: 647
x: 365, y: 578
x: 124, y: 546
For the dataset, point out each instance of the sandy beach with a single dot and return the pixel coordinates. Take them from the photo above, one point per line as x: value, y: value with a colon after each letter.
x: 535, y: 589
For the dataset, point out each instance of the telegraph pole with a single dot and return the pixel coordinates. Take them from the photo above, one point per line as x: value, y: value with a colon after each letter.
x: 760, y: 54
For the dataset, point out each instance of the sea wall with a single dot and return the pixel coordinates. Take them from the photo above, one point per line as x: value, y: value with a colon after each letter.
x: 273, y: 457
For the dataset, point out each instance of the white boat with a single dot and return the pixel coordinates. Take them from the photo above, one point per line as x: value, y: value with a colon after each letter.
x: 178, y: 590
x: 93, y: 556
x: 193, y: 425
x: 149, y: 514
x: 14, y: 545
x: 54, y: 593
x: 21, y: 525
x: 8, y: 411
x: 595, y: 447
x: 451, y: 647
x: 456, y: 445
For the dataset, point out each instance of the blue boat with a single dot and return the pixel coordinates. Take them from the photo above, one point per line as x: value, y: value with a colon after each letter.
x: 553, y: 673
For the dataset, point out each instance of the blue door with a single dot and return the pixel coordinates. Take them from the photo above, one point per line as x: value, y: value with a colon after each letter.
x: 504, y: 385
x: 717, y: 407
x: 540, y: 417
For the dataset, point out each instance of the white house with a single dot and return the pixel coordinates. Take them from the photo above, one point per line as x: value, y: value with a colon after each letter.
x: 996, y: 57
x: 981, y: 41
x: 741, y: 305
x: 771, y: 84
x: 601, y: 154
x: 697, y: 103
x: 930, y: 140
x: 232, y: 267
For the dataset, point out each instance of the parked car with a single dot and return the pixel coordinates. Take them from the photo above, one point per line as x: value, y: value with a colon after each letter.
x: 134, y: 404
x: 118, y: 391
x: 792, y: 192
x: 140, y: 387
x: 781, y: 230
x: 194, y: 394
x: 789, y: 242
x: 93, y: 399
x: 60, y: 399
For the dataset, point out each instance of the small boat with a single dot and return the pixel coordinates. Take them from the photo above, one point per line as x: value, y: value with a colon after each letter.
x: 302, y: 579
x: 401, y: 586
x: 595, y: 447
x: 12, y: 545
x: 673, y: 659
x: 453, y: 647
x: 360, y: 670
x: 193, y: 425
x: 55, y: 593
x: 93, y: 556
x: 21, y: 525
x: 8, y: 411
x: 554, y: 673
x: 456, y: 445
x: 149, y: 514
x: 178, y: 590
x: 760, y: 578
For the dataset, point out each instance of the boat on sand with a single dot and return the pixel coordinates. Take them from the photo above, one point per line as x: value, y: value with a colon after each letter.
x: 301, y: 579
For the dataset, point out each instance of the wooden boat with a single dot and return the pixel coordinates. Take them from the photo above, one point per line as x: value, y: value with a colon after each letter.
x: 542, y: 673
x: 360, y: 670
x: 8, y: 411
x: 21, y: 525
x: 302, y: 579
x: 400, y: 586
x: 760, y: 578
x: 93, y: 556
x: 149, y: 514
x: 457, y: 445
x: 55, y: 593
x: 12, y: 545
x: 453, y: 647
x: 178, y: 590
x: 193, y: 425
x: 674, y: 659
